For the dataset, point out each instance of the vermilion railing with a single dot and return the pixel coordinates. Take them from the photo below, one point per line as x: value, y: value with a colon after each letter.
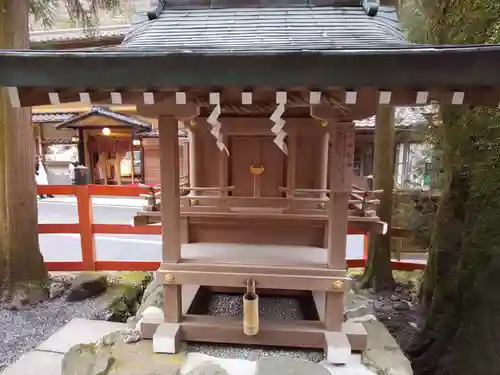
x: 87, y: 231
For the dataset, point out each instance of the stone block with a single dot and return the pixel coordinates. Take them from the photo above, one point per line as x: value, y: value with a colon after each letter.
x: 79, y: 331
x: 337, y: 347
x: 35, y: 363
x: 166, y: 338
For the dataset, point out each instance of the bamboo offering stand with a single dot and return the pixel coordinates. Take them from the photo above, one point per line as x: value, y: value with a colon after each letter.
x: 271, y: 132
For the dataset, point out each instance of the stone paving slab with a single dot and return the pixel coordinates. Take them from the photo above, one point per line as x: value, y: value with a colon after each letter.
x: 79, y: 331
x: 47, y: 359
x: 36, y: 363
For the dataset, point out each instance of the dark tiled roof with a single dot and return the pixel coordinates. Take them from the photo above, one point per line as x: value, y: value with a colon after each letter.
x: 285, y: 25
x: 153, y: 133
x: 51, y: 117
x: 100, y: 111
x: 58, y: 141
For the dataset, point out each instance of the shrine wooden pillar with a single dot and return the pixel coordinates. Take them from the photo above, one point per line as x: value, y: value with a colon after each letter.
x: 325, y: 147
x: 340, y: 170
x: 291, y: 162
x: 192, y: 162
x: 170, y: 210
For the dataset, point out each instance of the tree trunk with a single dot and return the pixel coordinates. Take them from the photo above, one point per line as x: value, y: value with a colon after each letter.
x: 378, y: 272
x: 20, y: 258
x: 461, y: 335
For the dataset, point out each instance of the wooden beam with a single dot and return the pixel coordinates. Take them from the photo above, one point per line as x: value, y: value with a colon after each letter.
x: 325, y: 146
x: 236, y: 275
x: 291, y: 165
x: 296, y: 333
x: 340, y: 169
x: 170, y: 213
x: 229, y: 330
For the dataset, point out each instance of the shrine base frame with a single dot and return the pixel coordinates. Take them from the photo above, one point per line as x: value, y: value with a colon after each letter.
x: 311, y: 334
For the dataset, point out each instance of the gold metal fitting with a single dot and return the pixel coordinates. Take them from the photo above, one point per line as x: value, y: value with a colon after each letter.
x: 324, y: 123
x: 338, y: 284
x: 169, y: 279
x: 195, y: 202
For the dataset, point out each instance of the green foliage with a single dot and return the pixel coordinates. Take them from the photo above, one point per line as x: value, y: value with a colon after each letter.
x: 81, y: 13
x: 459, y: 292
x: 451, y: 21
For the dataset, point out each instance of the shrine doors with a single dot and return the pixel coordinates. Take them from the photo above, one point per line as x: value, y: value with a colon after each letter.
x: 256, y: 167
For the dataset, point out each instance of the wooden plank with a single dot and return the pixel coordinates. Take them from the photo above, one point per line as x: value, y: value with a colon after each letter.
x: 101, y: 265
x: 58, y: 228
x: 117, y: 191
x: 340, y: 170
x: 235, y: 277
x: 222, y: 329
x: 55, y: 189
x: 253, y: 268
x: 170, y: 214
x: 85, y: 221
x: 124, y: 229
x: 65, y: 266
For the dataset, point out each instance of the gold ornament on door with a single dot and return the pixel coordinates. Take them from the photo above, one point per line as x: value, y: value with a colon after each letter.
x: 256, y: 170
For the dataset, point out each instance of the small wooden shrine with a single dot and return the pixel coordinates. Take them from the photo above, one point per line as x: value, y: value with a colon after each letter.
x: 269, y: 94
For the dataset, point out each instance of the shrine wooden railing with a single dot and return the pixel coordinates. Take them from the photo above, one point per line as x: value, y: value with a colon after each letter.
x: 87, y: 229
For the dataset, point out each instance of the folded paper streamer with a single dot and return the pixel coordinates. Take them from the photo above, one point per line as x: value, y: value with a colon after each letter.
x: 213, y: 119
x: 279, y: 123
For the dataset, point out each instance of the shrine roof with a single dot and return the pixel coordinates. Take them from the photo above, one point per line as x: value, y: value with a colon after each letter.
x: 51, y: 117
x: 313, y: 45
x: 74, y: 122
x: 210, y: 26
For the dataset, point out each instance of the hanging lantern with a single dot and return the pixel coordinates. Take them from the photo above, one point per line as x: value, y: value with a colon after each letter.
x: 106, y: 131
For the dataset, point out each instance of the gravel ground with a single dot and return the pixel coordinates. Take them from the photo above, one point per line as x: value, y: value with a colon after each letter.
x: 270, y: 308
x: 22, y: 331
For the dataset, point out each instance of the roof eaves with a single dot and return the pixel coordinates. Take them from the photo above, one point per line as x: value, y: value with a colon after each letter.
x: 74, y: 34
x: 53, y: 117
x: 106, y: 113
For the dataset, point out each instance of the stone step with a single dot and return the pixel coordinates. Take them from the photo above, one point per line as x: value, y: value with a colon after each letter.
x: 166, y: 339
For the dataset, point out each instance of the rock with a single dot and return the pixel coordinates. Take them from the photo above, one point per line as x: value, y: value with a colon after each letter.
x: 356, y: 305
x: 288, y: 366
x: 26, y: 295
x: 380, y: 307
x: 112, y: 356
x: 56, y: 289
x: 208, y: 369
x: 362, y: 319
x: 152, y: 297
x: 121, y: 299
x: 131, y: 335
x: 401, y: 305
x: 153, y: 314
x: 87, y: 285
x: 383, y: 354
x: 395, y: 298
x: 19, y: 302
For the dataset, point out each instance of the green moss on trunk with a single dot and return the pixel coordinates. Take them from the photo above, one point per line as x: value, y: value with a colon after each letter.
x: 378, y: 272
x: 20, y: 258
x: 460, y: 336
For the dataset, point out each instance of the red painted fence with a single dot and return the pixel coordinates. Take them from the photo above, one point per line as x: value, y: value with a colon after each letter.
x: 87, y: 231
